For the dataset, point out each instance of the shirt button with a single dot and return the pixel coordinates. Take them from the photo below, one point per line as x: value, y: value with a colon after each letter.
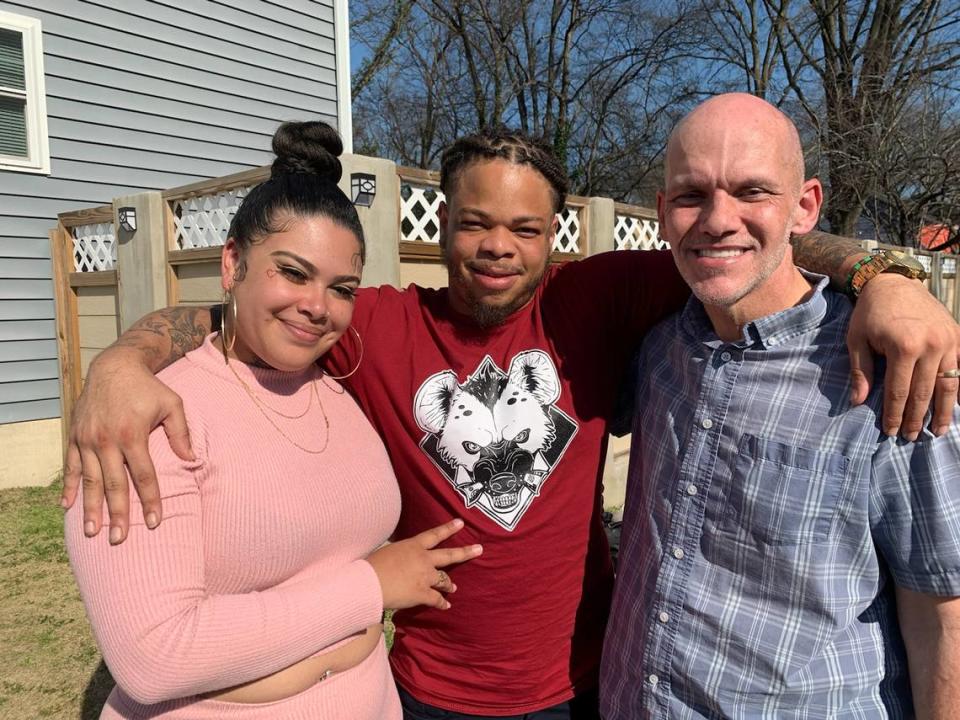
x: 653, y: 679
x: 707, y: 423
x: 725, y: 356
x: 663, y: 617
x: 678, y: 553
x: 691, y: 489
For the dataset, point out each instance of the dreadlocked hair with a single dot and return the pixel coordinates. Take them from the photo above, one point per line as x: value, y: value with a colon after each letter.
x: 513, y: 146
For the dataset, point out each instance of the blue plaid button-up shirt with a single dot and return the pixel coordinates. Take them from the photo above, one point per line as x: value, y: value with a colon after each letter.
x: 765, y: 528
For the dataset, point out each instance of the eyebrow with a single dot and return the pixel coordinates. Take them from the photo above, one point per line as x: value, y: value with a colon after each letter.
x: 311, y: 268
x: 486, y: 216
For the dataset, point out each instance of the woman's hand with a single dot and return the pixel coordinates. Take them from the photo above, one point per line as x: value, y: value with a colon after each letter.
x: 410, y: 570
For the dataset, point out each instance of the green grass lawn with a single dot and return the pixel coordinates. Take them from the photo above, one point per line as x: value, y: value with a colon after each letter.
x: 51, y: 666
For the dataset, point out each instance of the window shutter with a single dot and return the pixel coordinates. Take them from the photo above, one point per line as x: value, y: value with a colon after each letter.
x: 13, y: 119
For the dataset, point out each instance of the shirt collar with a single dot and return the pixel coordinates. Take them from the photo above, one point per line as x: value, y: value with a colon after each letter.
x: 765, y: 332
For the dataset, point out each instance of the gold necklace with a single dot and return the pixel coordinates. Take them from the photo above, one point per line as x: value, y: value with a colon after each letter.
x: 262, y: 403
x: 263, y: 407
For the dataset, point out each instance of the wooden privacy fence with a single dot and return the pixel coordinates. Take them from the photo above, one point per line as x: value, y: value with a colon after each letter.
x: 196, y: 220
x: 107, y: 274
x: 83, y: 256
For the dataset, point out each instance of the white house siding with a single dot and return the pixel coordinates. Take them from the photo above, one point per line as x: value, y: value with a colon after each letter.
x: 144, y: 95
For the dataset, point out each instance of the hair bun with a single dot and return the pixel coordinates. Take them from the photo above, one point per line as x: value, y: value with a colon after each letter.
x: 307, y: 147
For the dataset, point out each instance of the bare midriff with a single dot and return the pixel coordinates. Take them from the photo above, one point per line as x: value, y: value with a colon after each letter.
x: 304, y: 674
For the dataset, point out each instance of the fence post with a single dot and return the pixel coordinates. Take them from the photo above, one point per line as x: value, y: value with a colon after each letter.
x: 170, y: 243
x: 381, y: 220
x: 956, y: 289
x: 936, y: 276
x: 602, y: 219
x: 68, y: 332
x: 141, y: 257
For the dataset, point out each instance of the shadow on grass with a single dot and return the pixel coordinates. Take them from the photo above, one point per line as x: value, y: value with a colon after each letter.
x: 100, y: 685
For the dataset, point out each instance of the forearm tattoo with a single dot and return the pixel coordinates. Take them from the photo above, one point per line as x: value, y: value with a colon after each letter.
x: 165, y: 336
x: 826, y: 254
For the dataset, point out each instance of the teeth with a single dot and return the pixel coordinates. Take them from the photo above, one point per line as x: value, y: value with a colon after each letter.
x: 733, y: 252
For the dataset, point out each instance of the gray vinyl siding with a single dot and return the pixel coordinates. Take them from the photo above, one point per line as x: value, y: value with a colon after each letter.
x: 144, y: 95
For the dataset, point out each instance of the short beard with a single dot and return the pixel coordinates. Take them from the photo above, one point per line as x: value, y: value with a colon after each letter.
x: 487, y: 315
x: 763, y: 274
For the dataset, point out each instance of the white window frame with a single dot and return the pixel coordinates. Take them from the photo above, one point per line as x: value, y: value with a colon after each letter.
x: 341, y: 34
x: 38, y: 144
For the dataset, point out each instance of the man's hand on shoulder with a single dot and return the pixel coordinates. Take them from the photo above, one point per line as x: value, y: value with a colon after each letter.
x: 121, y: 403
x: 897, y: 318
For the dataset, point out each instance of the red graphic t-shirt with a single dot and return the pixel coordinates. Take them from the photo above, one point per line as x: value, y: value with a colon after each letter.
x: 506, y: 428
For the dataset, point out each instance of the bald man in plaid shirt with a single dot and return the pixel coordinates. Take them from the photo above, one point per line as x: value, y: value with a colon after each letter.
x: 781, y: 556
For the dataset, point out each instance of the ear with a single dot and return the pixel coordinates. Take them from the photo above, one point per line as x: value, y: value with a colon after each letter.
x: 431, y: 406
x: 534, y: 371
x: 807, y: 210
x: 443, y: 214
x: 661, y: 201
x: 229, y: 262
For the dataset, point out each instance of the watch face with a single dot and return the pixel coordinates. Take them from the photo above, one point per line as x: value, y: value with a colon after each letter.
x: 907, y: 261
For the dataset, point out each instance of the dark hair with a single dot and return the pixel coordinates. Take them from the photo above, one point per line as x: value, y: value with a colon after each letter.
x: 510, y: 145
x: 303, y: 182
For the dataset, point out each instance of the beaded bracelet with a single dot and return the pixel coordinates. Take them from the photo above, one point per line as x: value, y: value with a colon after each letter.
x: 863, y: 262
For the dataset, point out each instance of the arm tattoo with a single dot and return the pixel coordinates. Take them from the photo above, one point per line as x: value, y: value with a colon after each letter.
x: 830, y: 255
x: 165, y: 336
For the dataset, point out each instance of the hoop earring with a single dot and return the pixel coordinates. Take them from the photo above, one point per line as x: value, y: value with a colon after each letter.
x: 228, y: 346
x: 359, y: 360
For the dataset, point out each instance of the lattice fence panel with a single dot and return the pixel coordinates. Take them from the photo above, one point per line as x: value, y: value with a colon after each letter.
x: 420, y: 213
x: 568, y: 231
x: 636, y: 233
x: 948, y: 264
x: 203, y: 221
x: 94, y: 247
x: 420, y: 218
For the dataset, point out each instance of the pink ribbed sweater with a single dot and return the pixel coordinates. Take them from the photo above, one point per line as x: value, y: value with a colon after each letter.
x: 258, y: 563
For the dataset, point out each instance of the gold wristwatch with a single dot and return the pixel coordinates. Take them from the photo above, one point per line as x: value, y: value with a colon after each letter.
x: 884, y: 261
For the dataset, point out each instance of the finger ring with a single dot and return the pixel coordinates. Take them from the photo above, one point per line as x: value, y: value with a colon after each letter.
x: 955, y: 373
x: 442, y: 578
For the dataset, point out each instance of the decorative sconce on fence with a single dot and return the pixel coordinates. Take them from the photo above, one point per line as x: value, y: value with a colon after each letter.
x: 363, y: 188
x: 128, y: 218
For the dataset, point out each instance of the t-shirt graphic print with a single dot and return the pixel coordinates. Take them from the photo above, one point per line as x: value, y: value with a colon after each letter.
x: 497, y: 436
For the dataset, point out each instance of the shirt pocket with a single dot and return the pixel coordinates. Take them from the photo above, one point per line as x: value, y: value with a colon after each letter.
x: 783, y: 494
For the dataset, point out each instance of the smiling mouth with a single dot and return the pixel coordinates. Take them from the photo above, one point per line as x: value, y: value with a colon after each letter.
x: 719, y: 253
x: 493, y: 272
x: 302, y: 331
x: 492, y: 268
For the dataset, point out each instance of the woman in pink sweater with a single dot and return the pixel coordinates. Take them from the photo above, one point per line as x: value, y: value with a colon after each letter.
x: 261, y: 594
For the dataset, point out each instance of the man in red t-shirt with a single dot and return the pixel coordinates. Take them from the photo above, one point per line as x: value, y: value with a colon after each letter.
x: 493, y: 398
